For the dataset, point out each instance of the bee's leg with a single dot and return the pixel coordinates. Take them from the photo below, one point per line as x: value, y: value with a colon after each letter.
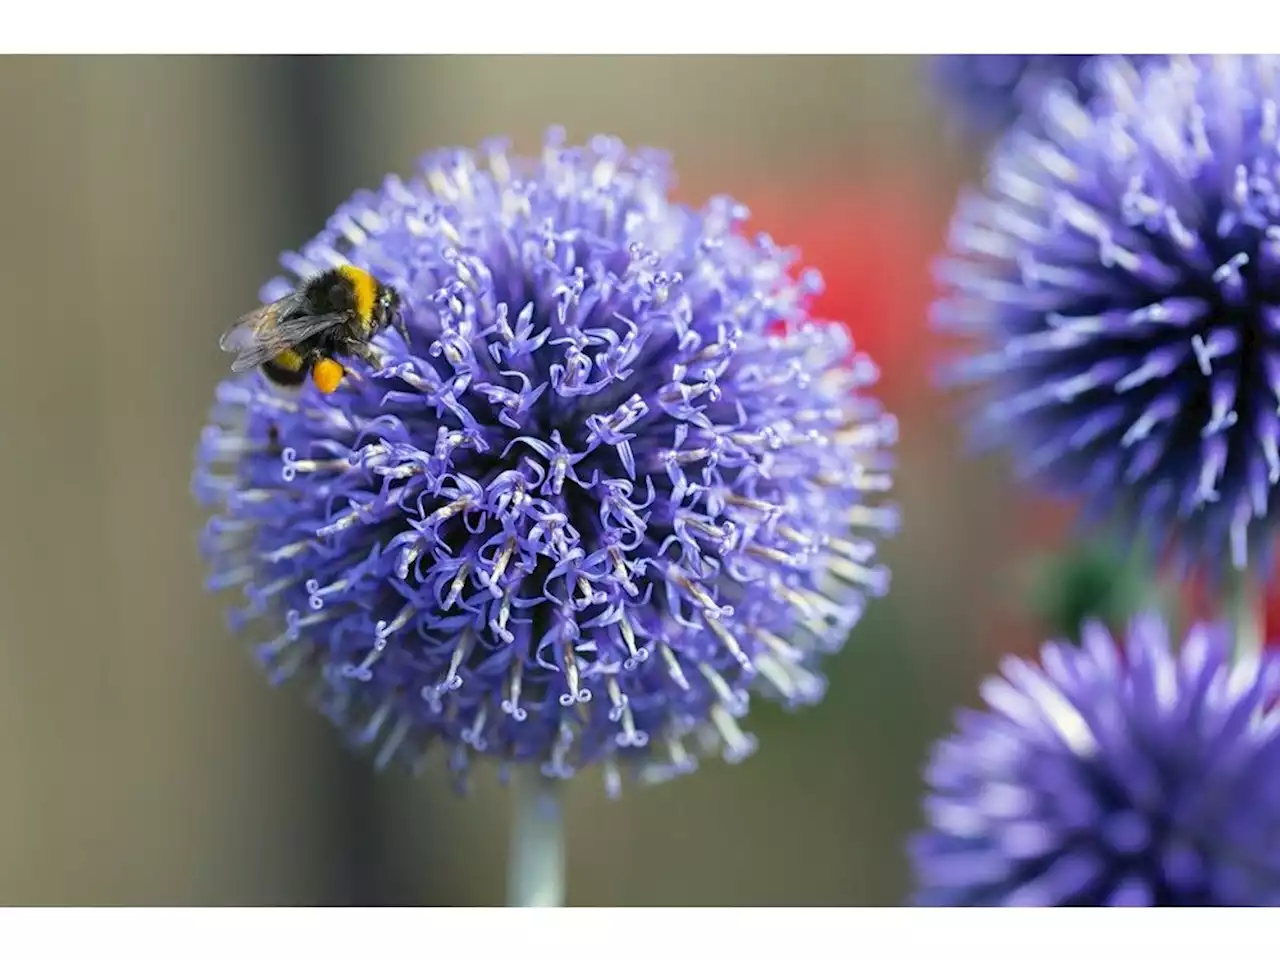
x: 366, y: 352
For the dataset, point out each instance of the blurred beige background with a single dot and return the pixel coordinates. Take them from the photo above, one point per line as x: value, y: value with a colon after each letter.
x: 145, y: 760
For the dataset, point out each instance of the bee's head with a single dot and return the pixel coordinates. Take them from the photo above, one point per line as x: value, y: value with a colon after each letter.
x: 386, y: 307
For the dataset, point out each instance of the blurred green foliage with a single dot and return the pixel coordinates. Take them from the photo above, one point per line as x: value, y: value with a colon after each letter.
x: 1098, y: 578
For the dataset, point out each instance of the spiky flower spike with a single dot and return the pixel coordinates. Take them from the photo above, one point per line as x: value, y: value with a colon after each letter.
x: 1122, y: 274
x: 1138, y: 776
x: 616, y: 479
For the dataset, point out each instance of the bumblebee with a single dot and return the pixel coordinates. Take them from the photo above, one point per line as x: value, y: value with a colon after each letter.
x: 334, y: 314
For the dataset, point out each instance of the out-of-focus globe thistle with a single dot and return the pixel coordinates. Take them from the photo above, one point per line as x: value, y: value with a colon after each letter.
x: 617, y: 479
x: 1121, y: 277
x: 1137, y: 775
x: 988, y: 92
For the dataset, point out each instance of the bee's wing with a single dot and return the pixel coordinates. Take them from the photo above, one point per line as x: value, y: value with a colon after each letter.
x: 270, y: 330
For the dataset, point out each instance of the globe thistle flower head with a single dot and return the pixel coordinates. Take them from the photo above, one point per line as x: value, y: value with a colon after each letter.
x: 615, y: 480
x: 991, y: 91
x: 1138, y: 775
x: 1121, y: 277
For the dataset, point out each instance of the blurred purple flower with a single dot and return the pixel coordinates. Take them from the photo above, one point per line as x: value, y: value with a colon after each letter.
x: 616, y: 480
x: 1111, y: 777
x: 991, y: 91
x: 1122, y: 277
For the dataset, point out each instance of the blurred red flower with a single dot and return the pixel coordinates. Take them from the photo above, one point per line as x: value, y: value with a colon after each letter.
x: 873, y: 239
x: 1272, y: 616
x: 1201, y: 602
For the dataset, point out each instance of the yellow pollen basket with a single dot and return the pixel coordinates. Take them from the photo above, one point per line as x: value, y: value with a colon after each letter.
x: 326, y: 375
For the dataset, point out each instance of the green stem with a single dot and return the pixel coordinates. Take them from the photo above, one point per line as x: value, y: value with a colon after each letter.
x: 1244, y: 606
x: 535, y: 875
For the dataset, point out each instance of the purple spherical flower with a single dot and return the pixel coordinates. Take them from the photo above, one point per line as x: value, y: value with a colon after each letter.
x: 615, y: 481
x: 1122, y: 276
x: 991, y: 91
x: 1138, y: 776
